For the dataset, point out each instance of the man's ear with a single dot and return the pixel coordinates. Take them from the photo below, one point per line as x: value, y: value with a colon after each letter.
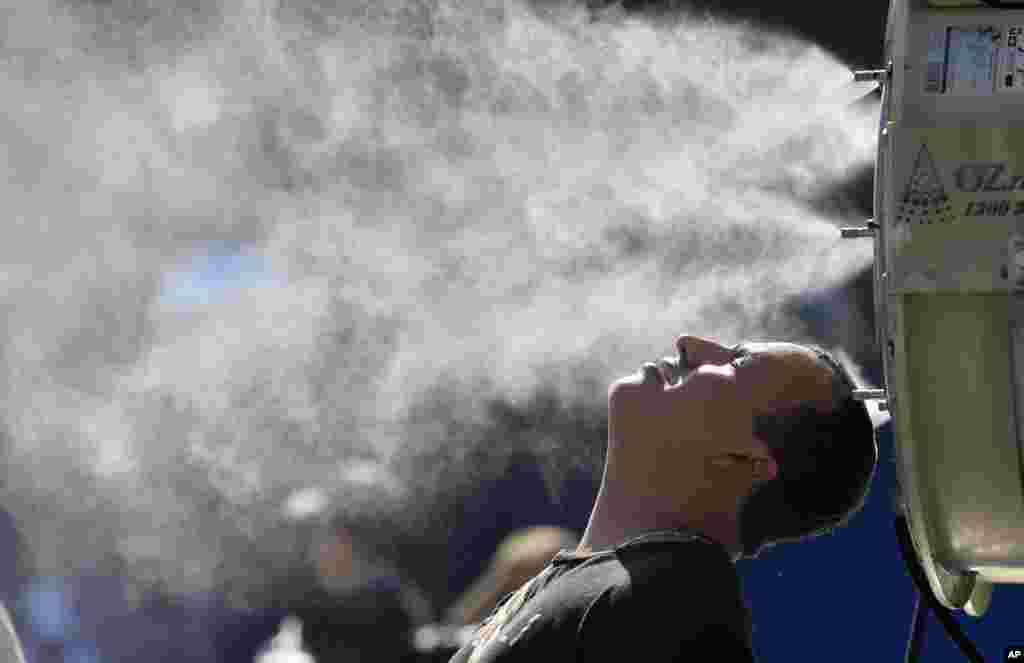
x: 765, y: 468
x: 762, y: 468
x: 724, y: 461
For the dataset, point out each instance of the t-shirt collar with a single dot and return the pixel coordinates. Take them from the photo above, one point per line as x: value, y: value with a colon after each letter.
x: 680, y: 535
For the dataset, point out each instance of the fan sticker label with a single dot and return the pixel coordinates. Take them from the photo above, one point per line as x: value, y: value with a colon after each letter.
x: 956, y: 199
x: 924, y: 199
x: 962, y: 60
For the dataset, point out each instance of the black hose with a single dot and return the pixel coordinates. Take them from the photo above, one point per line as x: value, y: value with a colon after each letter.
x: 942, y: 613
x: 918, y: 626
x: 999, y: 4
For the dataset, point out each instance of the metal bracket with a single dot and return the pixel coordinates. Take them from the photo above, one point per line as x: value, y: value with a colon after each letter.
x: 868, y: 230
x: 873, y: 395
x: 879, y: 75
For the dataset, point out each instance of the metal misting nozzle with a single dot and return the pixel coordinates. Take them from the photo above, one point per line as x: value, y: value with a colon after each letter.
x: 867, y: 75
x: 860, y: 231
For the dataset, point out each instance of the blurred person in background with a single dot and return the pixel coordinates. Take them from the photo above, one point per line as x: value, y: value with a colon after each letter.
x: 50, y: 610
x: 43, y: 600
x: 108, y: 610
x: 713, y: 455
x: 521, y: 555
x: 349, y: 597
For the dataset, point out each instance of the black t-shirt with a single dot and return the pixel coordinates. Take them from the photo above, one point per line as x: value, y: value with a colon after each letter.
x: 665, y: 596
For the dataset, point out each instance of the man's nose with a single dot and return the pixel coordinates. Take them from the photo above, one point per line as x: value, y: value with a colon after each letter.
x: 697, y: 350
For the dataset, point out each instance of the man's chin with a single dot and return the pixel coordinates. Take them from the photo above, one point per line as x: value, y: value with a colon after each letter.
x: 628, y: 389
x: 626, y: 382
x: 633, y: 378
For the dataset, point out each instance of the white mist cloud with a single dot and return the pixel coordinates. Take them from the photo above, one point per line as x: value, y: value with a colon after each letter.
x: 455, y: 193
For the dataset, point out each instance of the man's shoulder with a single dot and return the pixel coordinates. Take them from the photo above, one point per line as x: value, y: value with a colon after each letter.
x: 659, y: 593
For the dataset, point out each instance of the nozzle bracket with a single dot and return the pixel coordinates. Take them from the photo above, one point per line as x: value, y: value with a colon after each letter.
x: 872, y: 395
x: 867, y: 75
x: 867, y: 230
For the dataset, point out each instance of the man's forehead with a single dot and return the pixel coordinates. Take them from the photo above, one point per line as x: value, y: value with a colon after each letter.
x: 791, y: 367
x: 775, y: 348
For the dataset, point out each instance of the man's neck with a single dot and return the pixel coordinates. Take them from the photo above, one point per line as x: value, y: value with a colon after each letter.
x: 615, y: 519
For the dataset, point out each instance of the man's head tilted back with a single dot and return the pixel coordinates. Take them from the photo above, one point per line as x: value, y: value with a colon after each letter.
x: 752, y: 444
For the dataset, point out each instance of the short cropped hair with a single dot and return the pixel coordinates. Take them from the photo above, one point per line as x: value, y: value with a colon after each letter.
x: 826, y: 462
